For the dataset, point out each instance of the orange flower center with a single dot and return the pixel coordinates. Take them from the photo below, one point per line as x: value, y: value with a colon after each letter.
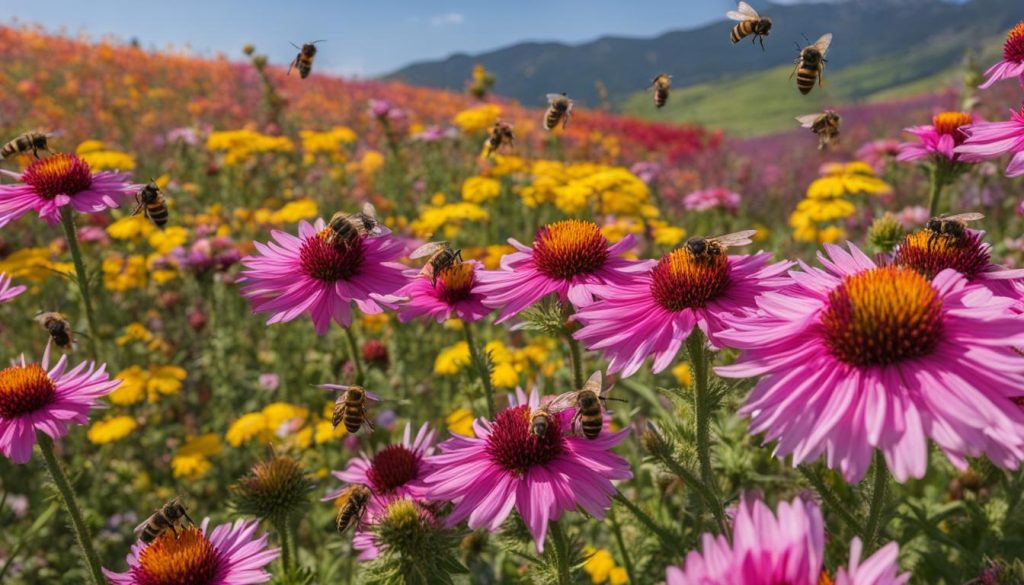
x: 930, y: 254
x: 455, y: 282
x: 824, y: 579
x: 1013, y: 49
x: 60, y: 174
x: 186, y: 559
x: 949, y: 123
x: 331, y: 262
x: 24, y: 390
x: 882, y: 316
x: 569, y: 248
x: 681, y: 281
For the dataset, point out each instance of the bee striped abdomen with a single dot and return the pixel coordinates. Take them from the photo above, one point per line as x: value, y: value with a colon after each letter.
x: 805, y: 78
x: 552, y: 118
x: 660, y: 97
x: 741, y: 30
x: 592, y: 426
x: 157, y: 212
x: 156, y: 526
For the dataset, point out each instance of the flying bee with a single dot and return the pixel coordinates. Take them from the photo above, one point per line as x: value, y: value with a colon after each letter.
x: 354, y: 501
x: 350, y: 407
x: 810, y: 65
x: 441, y: 256
x: 59, y: 328
x: 559, y: 110
x: 151, y: 201
x: 708, y: 248
x: 825, y: 125
x: 304, y: 60
x: 750, y: 23
x: 168, y: 517
x: 589, y: 403
x: 952, y: 226
x: 661, y: 85
x: 346, y: 227
x: 34, y: 141
x: 499, y: 135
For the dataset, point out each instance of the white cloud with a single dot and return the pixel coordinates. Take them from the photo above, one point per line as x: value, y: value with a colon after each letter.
x: 449, y: 19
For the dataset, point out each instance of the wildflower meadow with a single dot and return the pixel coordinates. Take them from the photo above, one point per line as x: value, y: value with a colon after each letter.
x: 585, y: 384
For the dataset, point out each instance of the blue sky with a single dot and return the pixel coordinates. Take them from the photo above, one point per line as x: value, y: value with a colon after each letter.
x: 364, y: 38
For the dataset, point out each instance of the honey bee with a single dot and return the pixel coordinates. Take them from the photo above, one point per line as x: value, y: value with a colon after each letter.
x: 34, y: 141
x: 810, y: 65
x: 559, y: 110
x: 499, y: 135
x: 59, y: 328
x: 441, y: 256
x: 346, y: 227
x: 750, y: 23
x: 589, y: 404
x: 350, y: 407
x: 354, y: 501
x: 952, y: 226
x: 151, y: 201
x: 168, y: 517
x: 661, y: 85
x: 304, y: 60
x: 825, y: 125
x: 707, y: 248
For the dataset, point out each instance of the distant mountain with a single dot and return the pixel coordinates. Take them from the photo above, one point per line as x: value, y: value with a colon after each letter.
x: 898, y: 41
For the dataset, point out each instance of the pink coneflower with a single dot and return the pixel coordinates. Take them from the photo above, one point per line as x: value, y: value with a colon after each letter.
x: 398, y: 469
x: 8, y: 292
x: 713, y: 198
x: 945, y: 133
x: 1012, y: 64
x: 306, y: 274
x: 568, y: 257
x: 788, y: 547
x: 987, y: 140
x: 454, y: 294
x: 62, y: 179
x: 229, y: 555
x: 505, y: 465
x: 878, y: 153
x: 970, y: 255
x: 857, y: 357
x: 33, y: 399
x: 656, y: 312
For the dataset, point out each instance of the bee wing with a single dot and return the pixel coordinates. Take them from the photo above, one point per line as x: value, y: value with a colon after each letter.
x: 595, y: 383
x: 372, y: 395
x: 808, y: 120
x: 334, y: 387
x: 969, y: 216
x: 561, y: 402
x: 823, y: 43
x: 736, y: 238
x: 743, y: 12
x: 369, y: 210
x: 427, y: 249
x: 553, y: 97
x: 138, y: 529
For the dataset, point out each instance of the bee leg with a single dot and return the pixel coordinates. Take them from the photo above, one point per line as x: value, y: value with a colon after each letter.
x: 189, y: 518
x: 761, y: 38
x: 369, y: 421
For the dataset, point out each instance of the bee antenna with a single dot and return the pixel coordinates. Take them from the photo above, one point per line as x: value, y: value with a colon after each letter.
x: 294, y: 45
x: 320, y: 41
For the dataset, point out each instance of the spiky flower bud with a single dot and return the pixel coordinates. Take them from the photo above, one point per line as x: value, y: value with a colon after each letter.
x: 415, y: 546
x: 248, y: 49
x: 375, y: 353
x: 273, y: 490
x: 259, y: 61
x: 654, y: 443
x: 885, y: 233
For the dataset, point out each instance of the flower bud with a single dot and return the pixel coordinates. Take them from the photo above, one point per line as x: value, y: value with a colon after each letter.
x: 273, y: 490
x: 885, y: 233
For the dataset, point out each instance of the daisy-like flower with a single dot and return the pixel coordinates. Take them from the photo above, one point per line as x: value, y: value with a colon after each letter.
x: 987, y: 140
x: 857, y: 357
x: 506, y: 466
x: 454, y: 294
x: 228, y: 555
x: 62, y: 179
x: 306, y: 274
x: 1012, y: 64
x: 8, y: 292
x: 657, y: 311
x: 937, y: 140
x: 35, y: 397
x: 930, y: 254
x: 787, y: 547
x: 568, y: 257
x: 398, y: 469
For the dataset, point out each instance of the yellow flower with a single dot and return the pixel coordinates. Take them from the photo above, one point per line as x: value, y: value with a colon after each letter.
x: 506, y: 165
x: 249, y: 426
x: 277, y: 413
x: 480, y: 189
x: 438, y: 199
x: 31, y: 264
x: 504, y: 376
x: 460, y: 422
x: 190, y: 461
x: 620, y: 228
x: 163, y: 241
x: 452, y: 359
x: 325, y: 431
x: 450, y: 216
x: 371, y: 162
x: 666, y: 234
x: 90, y: 146
x: 132, y: 388
x: 374, y: 323
x: 599, y: 564
x: 131, y: 227
x: 618, y: 576
x: 683, y: 375
x: 109, y: 160
x: 137, y: 383
x: 111, y: 429
x: 122, y: 274
x: 294, y: 211
x: 493, y: 254
x: 240, y: 146
x: 331, y: 142
x: 477, y: 119
x: 831, y: 235
x: 163, y: 381
x: 134, y: 332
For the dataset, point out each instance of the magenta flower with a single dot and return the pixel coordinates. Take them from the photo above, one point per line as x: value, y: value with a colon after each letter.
x: 62, y: 179
x: 787, y: 547
x: 398, y: 469
x: 656, y: 312
x: 970, y: 256
x: 1012, y: 64
x: 987, y: 140
x: 568, y: 257
x: 506, y: 466
x: 229, y: 555
x: 713, y: 198
x: 454, y: 294
x: 858, y: 357
x: 937, y: 140
x: 365, y: 540
x: 306, y: 274
x: 8, y: 292
x: 878, y: 153
x: 33, y: 398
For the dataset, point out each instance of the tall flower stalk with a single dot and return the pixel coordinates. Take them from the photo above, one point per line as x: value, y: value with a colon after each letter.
x: 480, y: 364
x: 67, y: 219
x: 703, y: 411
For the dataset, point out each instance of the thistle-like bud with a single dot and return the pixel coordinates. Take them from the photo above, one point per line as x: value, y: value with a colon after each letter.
x: 259, y: 61
x: 375, y: 353
x: 273, y: 490
x: 885, y: 233
x: 654, y: 443
x: 414, y: 545
x: 248, y: 49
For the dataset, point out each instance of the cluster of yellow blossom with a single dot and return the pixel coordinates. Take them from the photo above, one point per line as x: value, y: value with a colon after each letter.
x: 585, y: 186
x: 138, y: 332
x: 152, y: 383
x: 282, y: 420
x: 331, y: 143
x: 449, y: 216
x: 123, y: 273
x: 460, y: 422
x: 480, y: 189
x: 501, y: 166
x: 240, y: 146
x: 34, y: 265
x: 826, y: 201
x: 601, y: 567
x: 477, y: 119
x: 192, y: 460
x: 101, y: 158
x: 110, y: 429
x: 508, y: 362
x: 368, y: 165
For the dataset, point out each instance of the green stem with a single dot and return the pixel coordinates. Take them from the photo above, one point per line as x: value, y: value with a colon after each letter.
x: 353, y: 351
x: 67, y: 219
x: 705, y: 491
x: 830, y: 498
x: 617, y: 531
x: 880, y: 483
x: 669, y: 541
x: 67, y: 495
x: 702, y: 405
x: 576, y: 355
x: 561, y: 546
x: 286, y: 553
x: 481, y: 368
x: 938, y: 181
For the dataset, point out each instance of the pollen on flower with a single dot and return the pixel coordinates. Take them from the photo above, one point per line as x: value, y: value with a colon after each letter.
x: 680, y: 282
x: 1013, y: 49
x: 392, y: 467
x: 186, y: 559
x: 60, y: 174
x: 331, y: 262
x: 930, y: 254
x: 512, y: 445
x: 24, y: 390
x: 569, y: 248
x: 950, y: 123
x: 882, y: 316
x: 455, y: 282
